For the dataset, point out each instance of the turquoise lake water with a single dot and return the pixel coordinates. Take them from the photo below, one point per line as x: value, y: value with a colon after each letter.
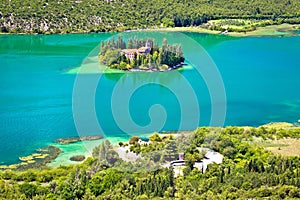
x: 260, y: 76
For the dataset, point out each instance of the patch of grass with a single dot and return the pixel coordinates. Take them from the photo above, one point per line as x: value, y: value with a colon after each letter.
x: 268, y: 144
x: 272, y: 30
x: 285, y: 146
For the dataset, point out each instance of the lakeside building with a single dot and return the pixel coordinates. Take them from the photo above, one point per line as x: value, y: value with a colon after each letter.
x: 210, y: 157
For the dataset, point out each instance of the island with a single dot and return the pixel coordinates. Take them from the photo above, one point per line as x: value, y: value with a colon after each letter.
x: 140, y: 55
x: 77, y: 158
x: 70, y: 140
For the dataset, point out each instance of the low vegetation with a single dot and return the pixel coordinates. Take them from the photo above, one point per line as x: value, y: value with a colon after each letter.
x: 248, y: 170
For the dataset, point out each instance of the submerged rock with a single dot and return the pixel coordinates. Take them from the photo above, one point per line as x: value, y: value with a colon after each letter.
x: 77, y: 158
x: 36, y: 160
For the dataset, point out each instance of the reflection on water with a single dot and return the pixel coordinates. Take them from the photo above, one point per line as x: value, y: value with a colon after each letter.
x: 144, y: 77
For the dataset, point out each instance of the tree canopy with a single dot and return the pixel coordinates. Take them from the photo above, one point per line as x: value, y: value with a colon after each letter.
x: 113, y: 54
x: 248, y: 171
x: 65, y: 16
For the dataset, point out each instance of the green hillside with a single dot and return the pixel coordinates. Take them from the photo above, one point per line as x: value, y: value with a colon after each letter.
x: 64, y: 16
x: 248, y: 169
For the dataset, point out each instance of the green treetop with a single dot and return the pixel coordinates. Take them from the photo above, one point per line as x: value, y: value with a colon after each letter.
x: 142, y: 54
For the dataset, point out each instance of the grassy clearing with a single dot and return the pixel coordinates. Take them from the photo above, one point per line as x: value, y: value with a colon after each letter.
x: 279, y: 125
x: 285, y: 147
x: 272, y: 30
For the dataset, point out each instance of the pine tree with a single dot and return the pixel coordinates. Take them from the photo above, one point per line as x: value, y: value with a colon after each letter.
x: 130, y: 45
x: 135, y: 42
x: 164, y: 45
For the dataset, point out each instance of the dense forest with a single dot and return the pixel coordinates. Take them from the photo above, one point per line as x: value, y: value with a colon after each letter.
x: 247, y: 171
x: 66, y: 16
x: 113, y: 54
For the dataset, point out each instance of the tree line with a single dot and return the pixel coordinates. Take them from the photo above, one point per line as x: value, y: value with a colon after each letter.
x: 247, y: 171
x: 158, y: 58
x: 69, y: 16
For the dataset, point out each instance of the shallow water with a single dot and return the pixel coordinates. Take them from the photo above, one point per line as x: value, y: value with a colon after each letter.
x: 260, y: 75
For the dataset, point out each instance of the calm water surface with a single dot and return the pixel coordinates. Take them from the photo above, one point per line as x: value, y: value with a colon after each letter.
x: 260, y: 74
